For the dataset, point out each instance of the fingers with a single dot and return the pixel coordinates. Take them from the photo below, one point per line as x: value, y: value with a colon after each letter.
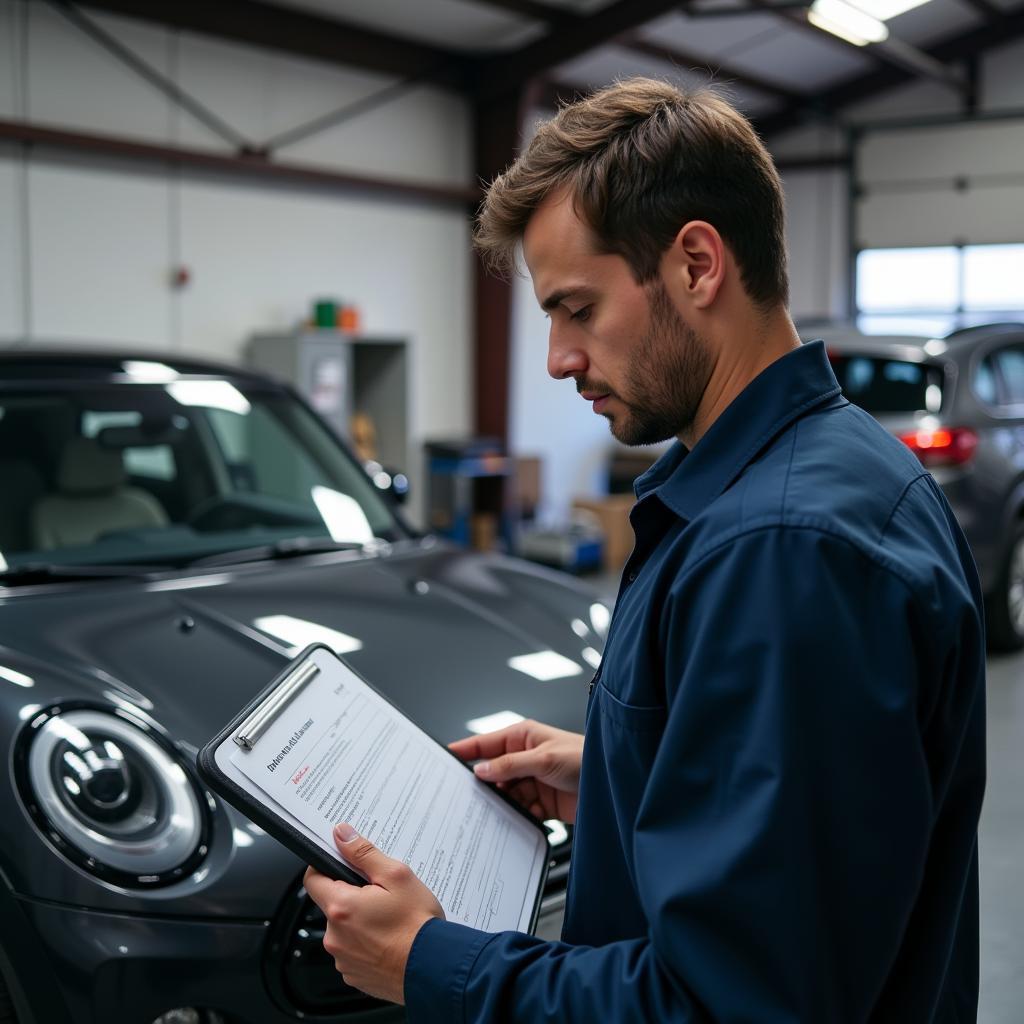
x: 319, y: 887
x: 524, y: 792
x: 527, y: 794
x: 490, y: 744
x: 360, y: 853
x: 523, y: 764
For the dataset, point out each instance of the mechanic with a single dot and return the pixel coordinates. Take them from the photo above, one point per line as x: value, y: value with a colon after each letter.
x: 777, y: 802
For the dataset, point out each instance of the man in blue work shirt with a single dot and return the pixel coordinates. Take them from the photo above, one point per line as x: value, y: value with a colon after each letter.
x: 777, y: 800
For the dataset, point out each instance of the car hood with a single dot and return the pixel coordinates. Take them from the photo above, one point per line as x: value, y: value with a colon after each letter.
x: 432, y: 627
x: 435, y: 630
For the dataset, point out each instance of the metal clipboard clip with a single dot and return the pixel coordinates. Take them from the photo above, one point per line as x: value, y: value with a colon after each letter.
x: 258, y: 722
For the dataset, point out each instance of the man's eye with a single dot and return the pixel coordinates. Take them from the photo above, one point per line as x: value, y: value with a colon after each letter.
x: 582, y: 315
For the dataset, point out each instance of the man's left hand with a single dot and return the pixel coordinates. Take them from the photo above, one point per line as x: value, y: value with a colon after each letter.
x: 371, y: 928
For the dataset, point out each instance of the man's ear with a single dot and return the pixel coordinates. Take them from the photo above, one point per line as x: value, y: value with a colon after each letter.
x: 695, y: 264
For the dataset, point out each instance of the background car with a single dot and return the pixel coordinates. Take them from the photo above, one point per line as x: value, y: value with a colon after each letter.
x: 958, y: 403
x: 170, y: 533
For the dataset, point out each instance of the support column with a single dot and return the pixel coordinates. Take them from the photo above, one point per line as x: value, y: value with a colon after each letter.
x: 497, y: 126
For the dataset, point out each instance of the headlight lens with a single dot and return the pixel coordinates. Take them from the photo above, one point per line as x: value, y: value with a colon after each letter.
x: 112, y: 795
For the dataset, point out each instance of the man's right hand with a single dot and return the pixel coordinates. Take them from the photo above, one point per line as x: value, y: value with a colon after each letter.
x: 537, y: 765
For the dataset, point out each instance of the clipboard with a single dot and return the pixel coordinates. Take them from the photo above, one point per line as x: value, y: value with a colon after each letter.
x: 294, y: 688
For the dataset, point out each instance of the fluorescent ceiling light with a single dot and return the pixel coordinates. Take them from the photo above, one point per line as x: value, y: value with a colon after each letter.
x: 545, y: 665
x: 209, y: 394
x: 592, y: 657
x: 491, y: 723
x: 300, y: 633
x: 886, y: 9
x: 600, y: 617
x: 847, y: 22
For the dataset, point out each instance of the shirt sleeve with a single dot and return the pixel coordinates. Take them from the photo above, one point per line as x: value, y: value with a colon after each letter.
x: 782, y: 835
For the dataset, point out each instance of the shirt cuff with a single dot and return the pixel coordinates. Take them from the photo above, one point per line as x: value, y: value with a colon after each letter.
x: 439, y: 964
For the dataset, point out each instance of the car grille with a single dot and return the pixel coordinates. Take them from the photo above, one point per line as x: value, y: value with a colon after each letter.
x: 300, y: 974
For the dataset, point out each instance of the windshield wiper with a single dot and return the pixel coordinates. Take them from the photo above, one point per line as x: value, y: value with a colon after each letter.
x: 293, y: 547
x: 44, y: 572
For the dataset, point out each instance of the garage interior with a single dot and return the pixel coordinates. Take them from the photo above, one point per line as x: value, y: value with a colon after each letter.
x: 290, y: 186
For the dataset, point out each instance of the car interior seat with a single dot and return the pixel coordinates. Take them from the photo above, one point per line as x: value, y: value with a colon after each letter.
x: 92, y: 499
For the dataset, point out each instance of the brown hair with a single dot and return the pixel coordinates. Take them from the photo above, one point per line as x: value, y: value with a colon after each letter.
x: 641, y: 158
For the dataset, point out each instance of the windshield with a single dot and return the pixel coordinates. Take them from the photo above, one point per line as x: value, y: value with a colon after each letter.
x: 106, y: 474
x: 881, y: 385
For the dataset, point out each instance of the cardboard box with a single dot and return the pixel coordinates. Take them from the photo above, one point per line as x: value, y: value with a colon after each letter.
x: 526, y: 474
x: 612, y: 512
x: 483, y: 530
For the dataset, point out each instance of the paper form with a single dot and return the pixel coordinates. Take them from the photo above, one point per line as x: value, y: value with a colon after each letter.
x: 340, y: 752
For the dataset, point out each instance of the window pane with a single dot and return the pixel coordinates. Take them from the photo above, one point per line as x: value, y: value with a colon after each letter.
x: 975, y: 318
x: 882, y: 385
x: 923, y: 326
x: 908, y: 279
x: 1011, y: 366
x: 994, y: 277
x: 985, y: 382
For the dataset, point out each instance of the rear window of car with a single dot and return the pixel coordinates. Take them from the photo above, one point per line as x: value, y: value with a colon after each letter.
x: 881, y: 385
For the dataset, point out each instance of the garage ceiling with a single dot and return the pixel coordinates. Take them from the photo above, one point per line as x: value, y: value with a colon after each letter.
x: 777, y: 66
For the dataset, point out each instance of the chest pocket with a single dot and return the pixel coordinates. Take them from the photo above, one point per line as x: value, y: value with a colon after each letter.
x: 635, y: 718
x: 630, y: 737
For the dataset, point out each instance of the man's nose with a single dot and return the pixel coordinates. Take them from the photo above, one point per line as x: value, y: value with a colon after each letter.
x: 565, y: 359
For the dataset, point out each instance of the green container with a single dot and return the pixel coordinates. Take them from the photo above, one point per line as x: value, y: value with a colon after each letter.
x: 325, y: 313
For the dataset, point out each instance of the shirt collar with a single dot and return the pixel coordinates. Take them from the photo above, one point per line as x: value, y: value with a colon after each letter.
x: 688, y: 481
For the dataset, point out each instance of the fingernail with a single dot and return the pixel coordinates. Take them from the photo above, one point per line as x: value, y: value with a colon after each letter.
x: 483, y: 769
x: 345, y: 833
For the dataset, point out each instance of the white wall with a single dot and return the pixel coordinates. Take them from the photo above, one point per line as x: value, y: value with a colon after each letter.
x: 103, y: 238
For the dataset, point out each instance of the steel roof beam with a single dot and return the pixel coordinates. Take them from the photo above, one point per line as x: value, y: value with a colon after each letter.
x: 297, y: 32
x: 958, y: 46
x: 506, y: 73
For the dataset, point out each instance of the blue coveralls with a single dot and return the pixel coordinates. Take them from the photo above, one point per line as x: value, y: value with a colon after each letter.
x: 785, y: 748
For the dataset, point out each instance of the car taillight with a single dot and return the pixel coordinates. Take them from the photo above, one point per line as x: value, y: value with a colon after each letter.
x: 947, y: 446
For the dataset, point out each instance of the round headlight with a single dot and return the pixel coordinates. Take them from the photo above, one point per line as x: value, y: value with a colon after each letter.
x: 112, y: 795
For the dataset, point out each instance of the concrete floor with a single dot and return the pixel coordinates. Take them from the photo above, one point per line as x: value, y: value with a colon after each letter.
x: 1002, y: 848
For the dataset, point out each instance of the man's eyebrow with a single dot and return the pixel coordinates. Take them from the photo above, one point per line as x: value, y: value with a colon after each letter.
x: 555, y: 299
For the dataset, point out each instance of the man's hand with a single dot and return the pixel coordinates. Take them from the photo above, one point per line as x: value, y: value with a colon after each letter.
x: 370, y: 929
x: 537, y: 765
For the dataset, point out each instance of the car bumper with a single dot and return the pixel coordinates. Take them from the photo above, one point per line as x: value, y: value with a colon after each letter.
x: 113, y: 967
x: 68, y: 965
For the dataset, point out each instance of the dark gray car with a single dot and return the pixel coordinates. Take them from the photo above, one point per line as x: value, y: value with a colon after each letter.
x: 171, y: 532
x: 958, y: 403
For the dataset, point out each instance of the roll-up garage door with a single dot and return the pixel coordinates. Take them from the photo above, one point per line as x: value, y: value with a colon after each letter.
x: 949, y: 184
